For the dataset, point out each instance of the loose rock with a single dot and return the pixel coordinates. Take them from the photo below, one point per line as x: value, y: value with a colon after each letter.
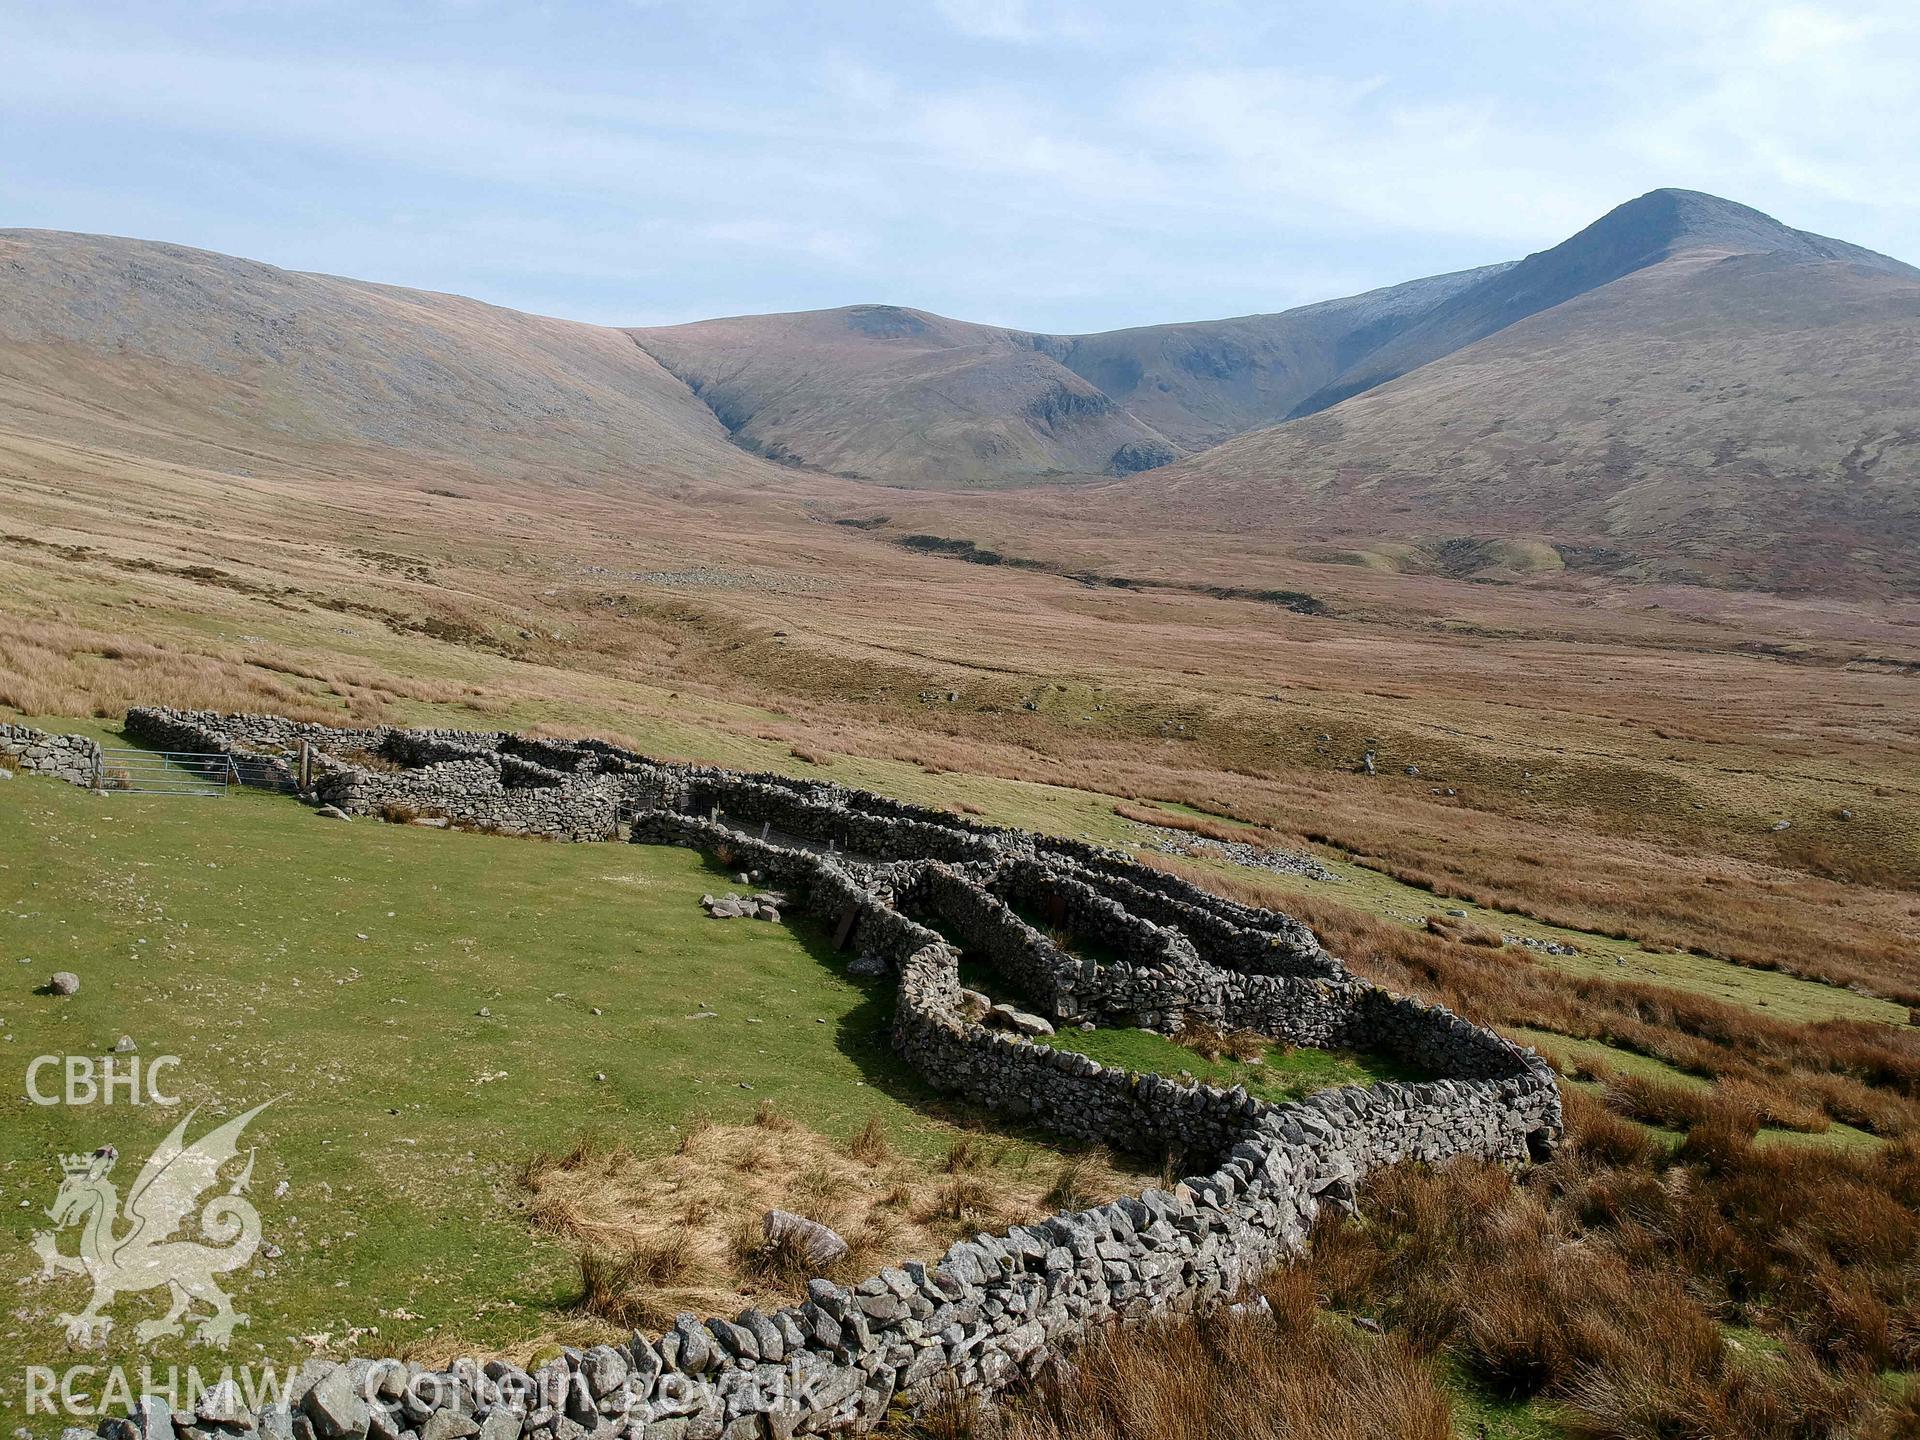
x: 817, y: 1244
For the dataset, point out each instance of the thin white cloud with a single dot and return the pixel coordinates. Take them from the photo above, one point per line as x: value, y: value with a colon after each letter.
x: 1018, y: 21
x: 1047, y: 165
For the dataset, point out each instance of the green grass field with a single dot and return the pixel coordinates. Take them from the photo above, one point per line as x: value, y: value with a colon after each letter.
x: 339, y: 970
x: 1284, y: 1073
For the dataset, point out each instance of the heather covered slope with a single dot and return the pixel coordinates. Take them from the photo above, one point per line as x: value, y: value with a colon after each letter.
x: 1750, y: 419
x: 189, y: 355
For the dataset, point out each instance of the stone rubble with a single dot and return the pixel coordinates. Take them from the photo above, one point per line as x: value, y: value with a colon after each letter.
x: 1237, y: 852
x: 764, y: 906
x: 1545, y: 947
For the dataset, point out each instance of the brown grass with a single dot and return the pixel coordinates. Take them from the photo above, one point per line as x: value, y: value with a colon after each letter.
x: 871, y: 1145
x: 61, y: 668
x: 1602, y: 1278
x: 1464, y: 932
x: 682, y: 1231
x: 1224, y: 830
x: 1212, y: 1043
x: 1600, y: 1281
x: 1288, y: 1373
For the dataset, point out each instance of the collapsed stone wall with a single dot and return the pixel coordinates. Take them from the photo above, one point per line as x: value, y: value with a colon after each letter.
x: 994, y: 1308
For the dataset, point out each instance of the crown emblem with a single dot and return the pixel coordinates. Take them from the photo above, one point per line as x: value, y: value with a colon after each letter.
x: 94, y: 1166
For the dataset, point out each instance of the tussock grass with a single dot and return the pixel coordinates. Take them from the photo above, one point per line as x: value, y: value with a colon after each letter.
x: 1078, y: 1184
x: 1223, y: 830
x: 1210, y: 1042
x: 871, y: 1145
x: 1603, y: 1280
x: 1283, y: 1372
x: 682, y: 1231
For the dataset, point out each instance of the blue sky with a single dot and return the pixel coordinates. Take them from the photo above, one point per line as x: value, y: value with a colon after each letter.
x: 1060, y: 166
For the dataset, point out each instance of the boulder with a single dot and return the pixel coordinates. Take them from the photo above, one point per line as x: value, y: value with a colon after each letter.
x: 64, y: 982
x: 153, y: 1418
x: 448, y: 1425
x: 605, y: 1369
x: 818, y: 1245
x: 336, y: 1408
x: 222, y: 1405
x: 1019, y: 1021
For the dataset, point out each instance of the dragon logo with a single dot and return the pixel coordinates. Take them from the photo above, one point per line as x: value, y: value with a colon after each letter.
x: 147, y: 1255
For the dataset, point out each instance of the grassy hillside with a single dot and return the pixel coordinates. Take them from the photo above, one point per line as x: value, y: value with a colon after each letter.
x: 179, y: 353
x: 898, y: 395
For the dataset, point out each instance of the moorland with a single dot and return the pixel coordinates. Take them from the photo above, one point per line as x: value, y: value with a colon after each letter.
x: 1609, y: 738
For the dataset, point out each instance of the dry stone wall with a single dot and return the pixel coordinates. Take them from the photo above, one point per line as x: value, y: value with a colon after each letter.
x: 73, y: 758
x: 993, y: 1309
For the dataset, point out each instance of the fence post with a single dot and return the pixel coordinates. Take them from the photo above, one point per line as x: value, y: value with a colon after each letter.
x: 99, y: 768
x: 306, y: 766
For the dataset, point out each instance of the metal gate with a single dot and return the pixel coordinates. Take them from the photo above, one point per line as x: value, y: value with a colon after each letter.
x: 124, y: 770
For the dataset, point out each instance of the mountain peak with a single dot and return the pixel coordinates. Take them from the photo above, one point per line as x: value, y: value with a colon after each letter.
x: 1644, y: 231
x: 1664, y: 222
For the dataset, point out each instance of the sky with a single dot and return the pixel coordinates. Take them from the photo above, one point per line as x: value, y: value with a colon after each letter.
x: 1059, y: 166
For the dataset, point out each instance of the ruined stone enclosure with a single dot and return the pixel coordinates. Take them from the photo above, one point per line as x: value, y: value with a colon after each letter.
x: 901, y: 887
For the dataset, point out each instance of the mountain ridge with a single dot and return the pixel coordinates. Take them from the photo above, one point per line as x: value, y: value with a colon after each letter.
x: 1548, y: 400
x: 846, y: 389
